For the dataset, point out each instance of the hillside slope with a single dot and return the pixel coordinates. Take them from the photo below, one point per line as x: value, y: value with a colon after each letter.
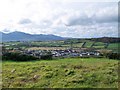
x: 63, y: 73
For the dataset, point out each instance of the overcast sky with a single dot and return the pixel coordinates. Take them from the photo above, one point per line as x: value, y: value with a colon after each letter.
x: 67, y: 18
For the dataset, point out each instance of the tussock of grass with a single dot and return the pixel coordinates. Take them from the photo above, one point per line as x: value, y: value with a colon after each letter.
x: 63, y: 73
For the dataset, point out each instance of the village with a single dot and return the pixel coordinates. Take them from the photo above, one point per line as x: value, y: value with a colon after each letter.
x: 55, y: 52
x: 58, y: 53
x: 62, y: 53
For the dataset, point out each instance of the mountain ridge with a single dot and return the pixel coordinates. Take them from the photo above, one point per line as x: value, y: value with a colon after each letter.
x: 21, y: 36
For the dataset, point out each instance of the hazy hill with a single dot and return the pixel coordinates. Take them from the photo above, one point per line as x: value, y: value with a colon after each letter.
x: 20, y: 36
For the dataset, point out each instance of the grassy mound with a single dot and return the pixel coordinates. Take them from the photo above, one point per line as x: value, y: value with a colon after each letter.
x: 62, y: 73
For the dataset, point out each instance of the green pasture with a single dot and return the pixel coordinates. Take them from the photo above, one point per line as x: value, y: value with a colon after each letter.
x: 61, y: 73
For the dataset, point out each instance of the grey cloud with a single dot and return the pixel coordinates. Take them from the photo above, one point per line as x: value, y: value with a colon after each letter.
x: 79, y: 21
x: 106, y: 19
x: 106, y: 16
x: 103, y: 15
x: 6, y: 30
x: 91, y: 20
x: 25, y: 21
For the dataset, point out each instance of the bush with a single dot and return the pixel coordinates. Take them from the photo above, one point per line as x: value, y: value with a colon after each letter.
x: 18, y: 57
x: 46, y: 57
x: 113, y: 56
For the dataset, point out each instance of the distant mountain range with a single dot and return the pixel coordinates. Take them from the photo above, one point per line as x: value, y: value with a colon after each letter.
x: 21, y: 36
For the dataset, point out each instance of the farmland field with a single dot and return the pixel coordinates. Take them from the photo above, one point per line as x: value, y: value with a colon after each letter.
x: 60, y: 45
x: 61, y: 73
x: 46, y: 48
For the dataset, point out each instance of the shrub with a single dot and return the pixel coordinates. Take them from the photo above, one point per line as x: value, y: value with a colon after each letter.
x: 46, y: 57
x: 18, y: 57
x: 113, y: 56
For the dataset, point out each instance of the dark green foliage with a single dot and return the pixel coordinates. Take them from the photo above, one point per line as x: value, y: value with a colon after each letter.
x: 68, y: 41
x: 113, y: 56
x: 107, y: 39
x: 17, y: 57
x: 46, y: 57
x: 110, y: 55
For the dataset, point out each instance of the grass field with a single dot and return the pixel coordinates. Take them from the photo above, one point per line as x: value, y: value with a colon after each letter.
x: 47, y: 48
x: 50, y: 45
x: 61, y: 73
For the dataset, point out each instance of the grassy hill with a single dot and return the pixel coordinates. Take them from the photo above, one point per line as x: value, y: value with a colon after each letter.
x: 61, y: 73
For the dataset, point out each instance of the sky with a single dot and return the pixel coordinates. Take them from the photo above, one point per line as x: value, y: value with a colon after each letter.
x: 66, y: 18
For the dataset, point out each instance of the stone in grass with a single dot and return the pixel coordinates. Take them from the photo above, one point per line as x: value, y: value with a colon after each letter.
x: 36, y: 77
x: 13, y: 70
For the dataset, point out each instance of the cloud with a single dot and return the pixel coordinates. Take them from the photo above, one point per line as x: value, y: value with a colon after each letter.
x: 78, y: 19
x: 61, y: 17
x: 102, y: 15
x: 6, y: 30
x: 107, y: 15
x: 25, y: 21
